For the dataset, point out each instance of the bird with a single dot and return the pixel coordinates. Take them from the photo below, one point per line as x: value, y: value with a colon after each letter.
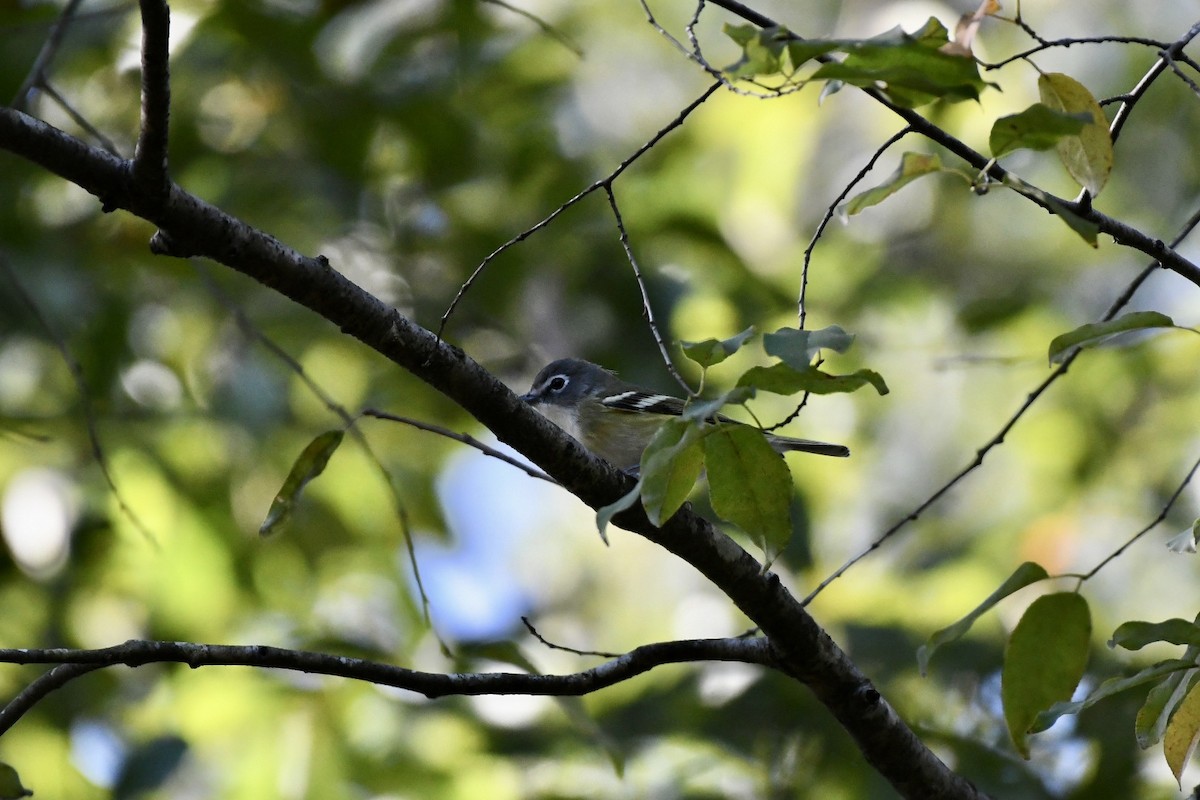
x: 616, y: 420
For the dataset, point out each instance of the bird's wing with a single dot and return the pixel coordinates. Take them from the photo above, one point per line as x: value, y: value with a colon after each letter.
x: 644, y: 402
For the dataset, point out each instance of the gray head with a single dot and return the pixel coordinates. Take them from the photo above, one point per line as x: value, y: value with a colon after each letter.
x: 566, y: 381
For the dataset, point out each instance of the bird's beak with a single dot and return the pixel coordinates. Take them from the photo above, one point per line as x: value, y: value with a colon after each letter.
x: 531, y: 397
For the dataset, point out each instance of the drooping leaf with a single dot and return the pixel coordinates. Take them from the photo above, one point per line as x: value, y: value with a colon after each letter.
x: 625, y: 502
x: 912, y: 166
x: 1094, y: 333
x: 1135, y: 635
x: 1038, y: 127
x: 1026, y: 574
x: 714, y: 351
x: 1185, y: 542
x: 1152, y: 718
x: 1043, y: 661
x: 1085, y: 228
x: 1087, y: 156
x: 671, y: 465
x: 783, y: 379
x: 1183, y: 734
x: 1108, y: 688
x: 750, y: 485
x: 910, y: 69
x: 309, y: 465
x: 797, y: 348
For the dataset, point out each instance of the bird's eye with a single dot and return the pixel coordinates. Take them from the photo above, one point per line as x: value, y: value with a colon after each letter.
x: 558, y: 383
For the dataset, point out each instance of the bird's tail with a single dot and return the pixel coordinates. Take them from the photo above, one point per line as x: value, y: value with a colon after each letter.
x: 785, y: 444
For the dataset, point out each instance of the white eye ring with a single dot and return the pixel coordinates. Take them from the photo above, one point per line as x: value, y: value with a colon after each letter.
x: 558, y: 383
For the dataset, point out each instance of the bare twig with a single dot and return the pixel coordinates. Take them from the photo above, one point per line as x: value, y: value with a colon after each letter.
x: 39, y: 688
x: 832, y: 210
x: 465, y: 438
x: 534, y: 632
x: 1162, y: 515
x: 606, y: 181
x: 41, y: 64
x: 547, y: 28
x: 85, y: 400
x: 647, y: 310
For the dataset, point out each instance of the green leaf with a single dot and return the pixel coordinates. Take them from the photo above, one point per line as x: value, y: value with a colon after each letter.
x: 1088, y: 156
x: 1095, y: 333
x: 783, y: 379
x: 1183, y: 734
x: 762, y: 50
x: 912, y: 166
x: 1085, y: 228
x: 1110, y: 687
x: 1038, y: 127
x: 750, y: 485
x: 802, y: 50
x: 797, y: 348
x: 10, y: 784
x: 1026, y: 574
x: 671, y: 465
x: 706, y: 410
x: 1043, y: 661
x: 1155, y: 714
x: 625, y: 502
x: 714, y: 351
x: 1135, y: 635
x: 910, y: 69
x: 309, y: 465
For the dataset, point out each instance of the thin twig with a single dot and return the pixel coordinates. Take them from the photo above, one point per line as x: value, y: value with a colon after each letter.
x: 647, y: 310
x: 546, y: 27
x: 525, y: 234
x: 85, y: 400
x: 41, y: 64
x: 465, y: 438
x: 39, y: 688
x: 1045, y: 44
x: 83, y: 122
x: 1162, y: 515
x: 831, y: 210
x: 534, y: 632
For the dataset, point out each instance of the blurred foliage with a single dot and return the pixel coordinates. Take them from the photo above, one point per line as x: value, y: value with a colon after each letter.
x: 406, y: 142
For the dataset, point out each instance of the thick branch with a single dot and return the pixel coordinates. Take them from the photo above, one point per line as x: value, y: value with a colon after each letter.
x: 189, y: 226
x: 150, y: 159
x: 135, y: 653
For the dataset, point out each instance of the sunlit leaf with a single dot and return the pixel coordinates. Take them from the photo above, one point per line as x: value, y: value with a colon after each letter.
x: 750, y: 485
x: 714, y: 351
x: 912, y: 166
x: 1135, y: 635
x: 797, y: 348
x: 671, y: 465
x: 762, y: 50
x: 1026, y: 574
x: 1094, y: 333
x: 309, y: 465
x: 1043, y: 661
x: 783, y: 379
x: 1183, y: 734
x: 1038, y: 127
x: 1088, y: 156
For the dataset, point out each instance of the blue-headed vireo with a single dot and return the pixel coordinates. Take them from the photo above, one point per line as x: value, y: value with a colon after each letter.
x: 616, y: 420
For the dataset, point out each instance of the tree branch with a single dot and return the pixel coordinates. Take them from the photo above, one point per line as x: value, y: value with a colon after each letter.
x: 150, y: 158
x: 189, y: 226
x: 73, y: 663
